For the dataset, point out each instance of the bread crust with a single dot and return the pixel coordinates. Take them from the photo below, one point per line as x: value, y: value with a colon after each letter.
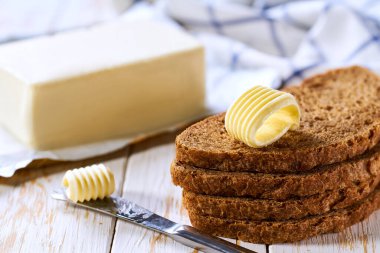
x: 270, y: 232
x: 361, y: 170
x: 264, y: 209
x: 330, y: 131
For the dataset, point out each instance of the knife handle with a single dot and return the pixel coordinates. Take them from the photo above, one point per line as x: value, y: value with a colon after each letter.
x: 191, y: 237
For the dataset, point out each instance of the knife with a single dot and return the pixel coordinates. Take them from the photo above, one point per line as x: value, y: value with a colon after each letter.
x: 126, y: 210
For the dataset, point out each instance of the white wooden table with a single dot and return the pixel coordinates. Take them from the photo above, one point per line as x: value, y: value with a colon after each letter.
x: 31, y: 221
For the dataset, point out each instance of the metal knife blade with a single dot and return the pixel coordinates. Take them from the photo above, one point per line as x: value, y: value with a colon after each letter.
x: 129, y: 211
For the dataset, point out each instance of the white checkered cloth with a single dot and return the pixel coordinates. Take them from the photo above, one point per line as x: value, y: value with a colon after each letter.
x: 274, y: 43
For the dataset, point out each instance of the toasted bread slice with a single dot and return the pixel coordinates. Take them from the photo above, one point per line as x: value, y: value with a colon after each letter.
x: 265, y: 209
x: 340, y: 119
x: 361, y: 170
x: 290, y: 230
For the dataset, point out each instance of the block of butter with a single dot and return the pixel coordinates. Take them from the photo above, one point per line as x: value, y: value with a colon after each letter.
x: 108, y: 81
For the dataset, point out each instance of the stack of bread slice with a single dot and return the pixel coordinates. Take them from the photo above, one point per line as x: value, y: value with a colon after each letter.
x: 320, y: 178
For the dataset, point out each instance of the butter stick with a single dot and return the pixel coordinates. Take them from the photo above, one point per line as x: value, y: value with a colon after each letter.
x: 108, y: 81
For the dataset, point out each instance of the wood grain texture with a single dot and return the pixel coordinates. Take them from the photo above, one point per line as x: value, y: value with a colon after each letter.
x: 363, y: 237
x: 148, y: 183
x: 30, y: 220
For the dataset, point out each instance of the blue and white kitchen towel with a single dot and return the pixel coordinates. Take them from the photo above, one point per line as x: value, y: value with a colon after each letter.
x: 279, y: 41
x: 248, y: 42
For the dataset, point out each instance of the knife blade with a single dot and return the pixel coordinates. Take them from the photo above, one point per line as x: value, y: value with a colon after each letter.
x: 130, y: 211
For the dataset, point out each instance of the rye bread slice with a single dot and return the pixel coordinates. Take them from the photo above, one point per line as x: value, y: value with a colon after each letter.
x: 361, y: 170
x: 270, y: 232
x: 340, y: 118
x: 264, y: 209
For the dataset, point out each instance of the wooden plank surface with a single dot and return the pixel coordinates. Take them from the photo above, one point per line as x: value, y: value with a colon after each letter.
x: 30, y: 219
x: 363, y: 237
